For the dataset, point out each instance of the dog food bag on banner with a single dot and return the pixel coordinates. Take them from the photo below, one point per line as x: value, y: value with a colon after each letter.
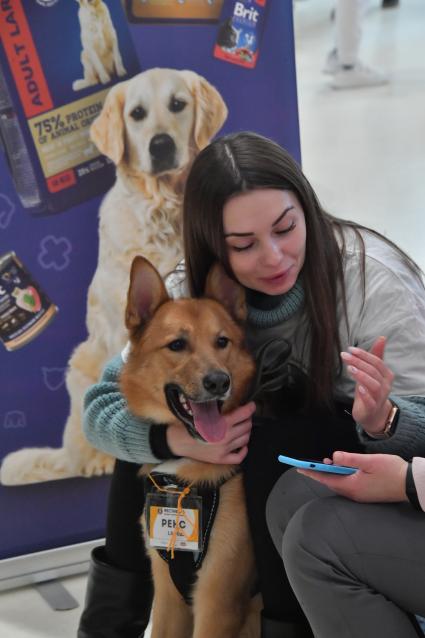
x: 25, y: 310
x: 239, y: 31
x: 58, y: 60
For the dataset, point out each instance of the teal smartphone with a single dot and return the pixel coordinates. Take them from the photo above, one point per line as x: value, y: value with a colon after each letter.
x: 306, y: 464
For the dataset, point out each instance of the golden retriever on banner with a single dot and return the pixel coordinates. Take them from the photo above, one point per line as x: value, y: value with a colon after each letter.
x: 151, y: 126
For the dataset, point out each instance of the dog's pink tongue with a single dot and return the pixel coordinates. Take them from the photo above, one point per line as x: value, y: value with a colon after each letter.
x: 210, y: 424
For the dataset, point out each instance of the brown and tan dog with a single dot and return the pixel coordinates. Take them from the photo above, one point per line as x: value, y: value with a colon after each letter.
x: 187, y: 359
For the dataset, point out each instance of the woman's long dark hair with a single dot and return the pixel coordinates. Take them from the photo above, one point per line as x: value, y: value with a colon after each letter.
x: 246, y: 161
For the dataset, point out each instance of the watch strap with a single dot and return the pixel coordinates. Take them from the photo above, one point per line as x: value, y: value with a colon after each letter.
x: 390, y: 424
x: 411, y: 492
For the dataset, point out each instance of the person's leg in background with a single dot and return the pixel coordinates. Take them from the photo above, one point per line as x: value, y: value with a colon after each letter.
x: 119, y: 587
x: 390, y: 4
x: 357, y: 569
x: 282, y: 616
x: 302, y: 436
x: 343, y: 61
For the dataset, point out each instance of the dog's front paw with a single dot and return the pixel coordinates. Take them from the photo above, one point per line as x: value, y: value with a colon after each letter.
x: 77, y: 85
x: 98, y: 465
x: 104, y: 78
x: 34, y: 465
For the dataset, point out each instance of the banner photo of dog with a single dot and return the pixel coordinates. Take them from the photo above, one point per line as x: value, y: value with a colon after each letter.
x: 148, y: 191
x: 99, y: 123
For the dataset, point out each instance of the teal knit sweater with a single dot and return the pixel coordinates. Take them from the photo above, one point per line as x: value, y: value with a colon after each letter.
x: 111, y: 427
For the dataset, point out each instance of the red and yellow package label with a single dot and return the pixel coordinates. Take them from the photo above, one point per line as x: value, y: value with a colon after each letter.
x: 23, y: 58
x: 62, y: 139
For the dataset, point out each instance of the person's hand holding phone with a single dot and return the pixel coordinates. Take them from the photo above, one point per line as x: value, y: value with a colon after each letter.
x: 380, y: 477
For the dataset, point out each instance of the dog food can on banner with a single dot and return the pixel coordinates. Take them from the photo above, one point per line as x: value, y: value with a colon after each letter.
x: 239, y: 32
x: 25, y: 310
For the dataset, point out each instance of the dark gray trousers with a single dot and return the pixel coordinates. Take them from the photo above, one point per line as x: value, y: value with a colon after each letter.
x: 358, y: 570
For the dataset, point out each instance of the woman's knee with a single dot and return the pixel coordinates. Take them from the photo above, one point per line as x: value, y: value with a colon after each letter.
x: 290, y: 493
x: 314, y: 535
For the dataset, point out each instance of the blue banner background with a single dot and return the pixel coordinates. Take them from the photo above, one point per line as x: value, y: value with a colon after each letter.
x: 34, y: 402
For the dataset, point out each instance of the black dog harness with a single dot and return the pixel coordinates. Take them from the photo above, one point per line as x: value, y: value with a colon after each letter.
x: 185, y: 564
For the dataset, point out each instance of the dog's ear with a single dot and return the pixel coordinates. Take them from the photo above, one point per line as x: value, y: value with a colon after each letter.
x: 107, y: 130
x: 145, y: 294
x: 210, y: 109
x: 227, y: 291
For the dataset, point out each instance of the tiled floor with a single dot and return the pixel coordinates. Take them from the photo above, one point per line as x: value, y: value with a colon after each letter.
x: 362, y: 149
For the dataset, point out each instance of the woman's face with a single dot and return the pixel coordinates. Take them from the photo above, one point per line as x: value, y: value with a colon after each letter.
x: 265, y: 235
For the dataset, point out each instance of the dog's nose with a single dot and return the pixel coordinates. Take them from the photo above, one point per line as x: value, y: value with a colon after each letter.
x: 161, y: 146
x: 217, y: 383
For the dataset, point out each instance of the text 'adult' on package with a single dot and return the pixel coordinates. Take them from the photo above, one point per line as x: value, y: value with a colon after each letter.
x: 58, y: 60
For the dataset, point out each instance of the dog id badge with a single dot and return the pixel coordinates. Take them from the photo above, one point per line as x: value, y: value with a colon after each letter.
x: 171, y: 527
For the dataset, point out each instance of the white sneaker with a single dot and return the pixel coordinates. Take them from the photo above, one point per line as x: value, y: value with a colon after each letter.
x: 332, y: 64
x: 359, y: 76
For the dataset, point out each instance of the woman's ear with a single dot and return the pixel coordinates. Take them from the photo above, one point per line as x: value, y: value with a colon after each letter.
x: 210, y: 109
x: 107, y: 130
x: 229, y: 293
x: 145, y: 294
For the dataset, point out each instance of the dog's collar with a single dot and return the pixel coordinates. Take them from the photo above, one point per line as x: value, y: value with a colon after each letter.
x: 166, y: 479
x: 290, y: 303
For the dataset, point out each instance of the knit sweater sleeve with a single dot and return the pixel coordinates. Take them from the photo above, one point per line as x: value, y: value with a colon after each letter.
x: 408, y: 439
x: 109, y: 425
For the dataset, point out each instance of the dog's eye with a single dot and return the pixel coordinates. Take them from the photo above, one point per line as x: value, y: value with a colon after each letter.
x: 138, y: 113
x: 222, y: 342
x: 177, y: 345
x: 176, y: 105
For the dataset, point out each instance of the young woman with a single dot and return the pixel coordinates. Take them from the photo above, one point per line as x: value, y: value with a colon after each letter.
x: 321, y: 286
x: 357, y: 567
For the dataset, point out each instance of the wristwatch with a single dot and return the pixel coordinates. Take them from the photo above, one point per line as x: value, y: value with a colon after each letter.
x: 390, y: 424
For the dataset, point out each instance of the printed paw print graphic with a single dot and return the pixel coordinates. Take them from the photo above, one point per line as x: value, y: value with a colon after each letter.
x: 14, y: 419
x: 53, y: 378
x: 7, y: 210
x: 54, y: 253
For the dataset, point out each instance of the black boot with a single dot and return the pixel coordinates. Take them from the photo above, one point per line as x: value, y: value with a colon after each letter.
x: 277, y: 629
x: 118, y: 602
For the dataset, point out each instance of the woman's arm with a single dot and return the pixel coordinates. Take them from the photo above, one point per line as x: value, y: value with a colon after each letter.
x: 109, y: 425
x: 408, y: 439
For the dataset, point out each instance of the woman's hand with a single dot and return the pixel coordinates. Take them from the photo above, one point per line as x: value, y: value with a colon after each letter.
x: 379, y: 478
x: 232, y: 449
x: 373, y: 379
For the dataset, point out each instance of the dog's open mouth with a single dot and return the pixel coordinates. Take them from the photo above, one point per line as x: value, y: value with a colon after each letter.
x: 203, y: 419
